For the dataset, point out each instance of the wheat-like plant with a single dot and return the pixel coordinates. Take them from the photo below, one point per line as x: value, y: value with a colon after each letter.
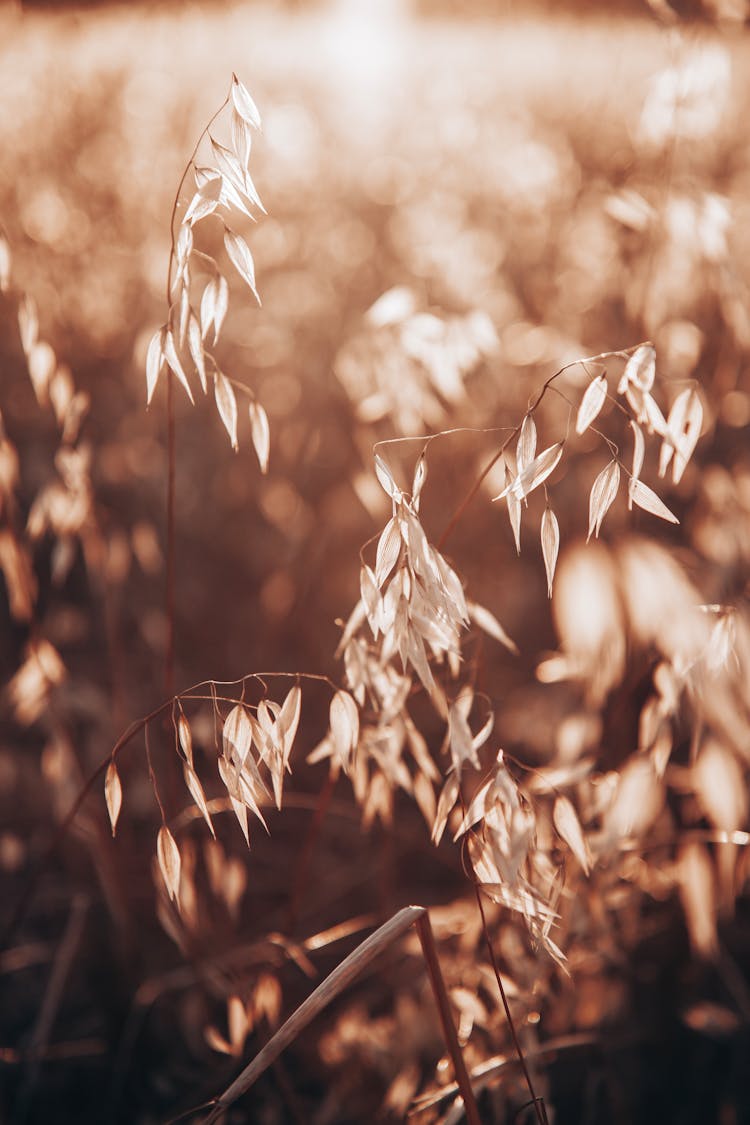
x: 550, y: 845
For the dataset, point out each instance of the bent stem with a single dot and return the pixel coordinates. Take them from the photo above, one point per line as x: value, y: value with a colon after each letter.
x: 459, y: 512
x: 342, y: 977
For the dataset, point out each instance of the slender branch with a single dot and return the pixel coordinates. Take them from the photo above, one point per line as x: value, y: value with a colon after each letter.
x: 170, y: 595
x: 458, y: 513
x: 152, y: 776
x: 429, y: 949
x: 135, y: 727
x: 171, y: 607
x: 178, y: 194
x: 541, y: 1112
x: 334, y: 984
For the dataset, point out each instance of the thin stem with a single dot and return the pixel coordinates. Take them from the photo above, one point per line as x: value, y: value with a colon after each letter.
x: 170, y: 596
x: 178, y: 193
x: 152, y: 776
x: 334, y: 984
x: 171, y: 608
x: 458, y: 513
x: 32, y: 883
x: 429, y: 949
x: 541, y: 1112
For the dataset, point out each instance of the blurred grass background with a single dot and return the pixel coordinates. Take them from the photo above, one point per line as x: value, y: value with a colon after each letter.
x: 471, y: 159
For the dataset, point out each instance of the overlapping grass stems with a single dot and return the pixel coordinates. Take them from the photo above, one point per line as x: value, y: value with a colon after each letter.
x: 530, y: 837
x: 406, y: 631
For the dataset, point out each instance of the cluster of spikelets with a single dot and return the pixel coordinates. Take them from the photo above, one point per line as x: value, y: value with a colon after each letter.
x: 406, y: 632
x: 410, y: 622
x: 61, y: 512
x: 679, y: 434
x: 406, y: 635
x: 224, y: 190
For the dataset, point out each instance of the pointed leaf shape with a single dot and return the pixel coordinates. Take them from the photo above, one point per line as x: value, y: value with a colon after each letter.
x: 244, y: 104
x: 550, y: 545
x: 228, y: 163
x: 446, y: 802
x: 490, y: 625
x: 514, y: 510
x: 230, y: 777
x: 221, y: 305
x: 184, y: 247
x: 591, y: 403
x: 344, y: 720
x: 370, y: 597
x: 242, y: 138
x: 261, y: 434
x: 168, y: 855
x: 459, y: 732
x: 526, y: 447
x: 195, y: 344
x: 154, y: 362
x: 640, y: 369
x: 186, y: 738
x: 251, y: 193
x: 477, y: 809
x: 266, y: 718
x: 206, y: 199
x: 231, y: 197
x: 653, y: 416
x: 241, y: 258
x: 389, y: 549
x: 113, y: 794
x: 196, y: 792
x: 237, y: 733
x: 170, y: 354
x: 288, y: 720
x: 252, y: 788
x: 384, y: 475
x: 569, y: 828
x: 675, y: 429
x: 417, y: 655
x: 603, y: 493
x: 226, y: 403
x: 536, y: 473
x: 686, y: 437
x: 208, y: 307
x: 420, y: 476
x: 185, y: 311
x: 639, y: 450
x: 647, y: 499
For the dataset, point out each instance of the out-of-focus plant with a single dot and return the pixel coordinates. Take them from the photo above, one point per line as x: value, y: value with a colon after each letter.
x: 224, y: 190
x: 562, y: 853
x: 541, y: 843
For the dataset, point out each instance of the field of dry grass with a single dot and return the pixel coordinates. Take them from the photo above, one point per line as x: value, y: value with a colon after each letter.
x: 524, y: 193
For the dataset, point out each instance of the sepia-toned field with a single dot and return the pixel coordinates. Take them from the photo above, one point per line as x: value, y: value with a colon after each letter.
x: 502, y: 268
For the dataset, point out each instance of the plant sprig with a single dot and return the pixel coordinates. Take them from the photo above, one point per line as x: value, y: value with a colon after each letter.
x: 224, y: 190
